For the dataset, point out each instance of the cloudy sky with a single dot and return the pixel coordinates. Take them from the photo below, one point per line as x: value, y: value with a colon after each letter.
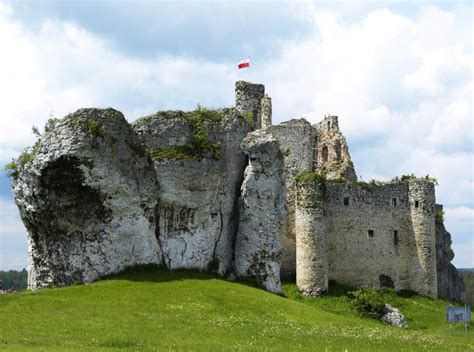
x: 398, y: 74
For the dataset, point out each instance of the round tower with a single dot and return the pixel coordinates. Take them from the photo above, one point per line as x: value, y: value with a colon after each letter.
x: 311, y: 242
x: 422, y: 208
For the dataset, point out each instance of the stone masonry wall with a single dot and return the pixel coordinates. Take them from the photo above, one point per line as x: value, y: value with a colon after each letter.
x: 331, y: 153
x: 364, y: 248
x: 296, y: 139
x: 248, y: 99
x: 311, y: 238
x: 423, y: 265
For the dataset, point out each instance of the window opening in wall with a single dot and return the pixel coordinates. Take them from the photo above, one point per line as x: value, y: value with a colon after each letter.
x: 346, y: 200
x: 324, y: 153
x: 417, y: 204
x: 394, y: 202
x: 396, y: 240
x: 329, y: 125
x: 370, y: 233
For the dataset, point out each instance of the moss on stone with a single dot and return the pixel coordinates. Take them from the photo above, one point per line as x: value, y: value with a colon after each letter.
x: 310, y: 176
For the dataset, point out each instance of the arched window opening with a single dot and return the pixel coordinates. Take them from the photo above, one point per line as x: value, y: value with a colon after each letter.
x: 324, y: 154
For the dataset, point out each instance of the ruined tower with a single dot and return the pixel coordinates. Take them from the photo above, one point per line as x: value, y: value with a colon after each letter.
x: 422, y: 209
x: 251, y: 98
x: 311, y: 242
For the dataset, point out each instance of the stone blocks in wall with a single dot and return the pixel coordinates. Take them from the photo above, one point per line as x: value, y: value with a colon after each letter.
x: 251, y: 98
x: 422, y: 209
x: 331, y: 153
x: 311, y: 242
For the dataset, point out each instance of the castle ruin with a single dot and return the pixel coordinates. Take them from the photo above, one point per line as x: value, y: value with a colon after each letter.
x: 226, y: 191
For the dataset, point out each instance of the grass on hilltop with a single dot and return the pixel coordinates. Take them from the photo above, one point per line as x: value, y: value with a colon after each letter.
x: 153, y: 309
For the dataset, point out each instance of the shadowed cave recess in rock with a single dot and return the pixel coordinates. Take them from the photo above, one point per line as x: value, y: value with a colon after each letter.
x: 225, y: 190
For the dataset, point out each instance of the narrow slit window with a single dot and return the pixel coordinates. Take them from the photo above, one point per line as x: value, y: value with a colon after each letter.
x: 394, y: 202
x: 396, y: 239
x: 417, y: 204
x: 346, y: 200
x: 329, y: 125
x: 370, y: 233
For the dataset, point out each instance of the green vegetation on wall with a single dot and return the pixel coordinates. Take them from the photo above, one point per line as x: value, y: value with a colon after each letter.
x: 310, y: 176
x: 200, y: 146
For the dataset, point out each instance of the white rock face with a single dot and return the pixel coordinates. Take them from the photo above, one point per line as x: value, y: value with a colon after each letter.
x: 393, y: 317
x: 197, y: 213
x: 87, y: 200
x: 258, y: 246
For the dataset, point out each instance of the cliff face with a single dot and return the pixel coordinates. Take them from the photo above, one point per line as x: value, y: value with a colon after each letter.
x: 196, y: 214
x: 87, y: 200
x: 450, y: 284
x: 258, y: 250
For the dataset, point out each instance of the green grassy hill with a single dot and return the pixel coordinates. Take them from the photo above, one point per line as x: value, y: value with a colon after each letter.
x: 152, y: 309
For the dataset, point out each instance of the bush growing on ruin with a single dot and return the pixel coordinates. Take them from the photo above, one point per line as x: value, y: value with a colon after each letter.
x: 368, y: 302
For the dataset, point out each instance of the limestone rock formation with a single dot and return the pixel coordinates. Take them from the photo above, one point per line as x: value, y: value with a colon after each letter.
x: 450, y: 284
x: 393, y: 317
x: 258, y: 245
x: 87, y: 200
x: 196, y: 215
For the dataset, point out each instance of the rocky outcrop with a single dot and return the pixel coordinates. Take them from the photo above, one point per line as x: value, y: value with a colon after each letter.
x: 258, y: 245
x: 199, y: 168
x: 87, y: 200
x: 393, y: 317
x: 450, y: 284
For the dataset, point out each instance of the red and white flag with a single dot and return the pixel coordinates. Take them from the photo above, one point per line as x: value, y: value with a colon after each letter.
x: 243, y: 64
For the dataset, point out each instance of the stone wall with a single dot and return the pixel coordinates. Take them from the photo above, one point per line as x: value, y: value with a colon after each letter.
x: 250, y: 98
x: 331, y: 153
x: 296, y: 139
x: 311, y: 238
x: 376, y: 237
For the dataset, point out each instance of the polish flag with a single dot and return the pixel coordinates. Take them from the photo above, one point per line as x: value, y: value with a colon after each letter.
x: 243, y: 64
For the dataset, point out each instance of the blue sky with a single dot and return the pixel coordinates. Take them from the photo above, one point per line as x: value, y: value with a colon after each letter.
x: 398, y: 74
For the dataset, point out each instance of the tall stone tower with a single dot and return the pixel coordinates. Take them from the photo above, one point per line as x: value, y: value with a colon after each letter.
x: 311, y: 241
x: 422, y: 209
x: 251, y: 98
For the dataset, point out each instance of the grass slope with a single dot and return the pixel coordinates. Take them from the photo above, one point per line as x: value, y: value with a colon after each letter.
x: 153, y: 309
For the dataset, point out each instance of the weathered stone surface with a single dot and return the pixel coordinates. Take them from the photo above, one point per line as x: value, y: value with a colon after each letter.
x: 331, y: 153
x: 197, y: 215
x: 249, y: 98
x: 258, y: 245
x: 99, y: 196
x: 87, y: 200
x: 296, y: 138
x: 311, y: 242
x: 450, y: 284
x: 393, y: 317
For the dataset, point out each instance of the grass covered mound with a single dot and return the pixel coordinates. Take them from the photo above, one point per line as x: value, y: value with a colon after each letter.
x: 154, y: 309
